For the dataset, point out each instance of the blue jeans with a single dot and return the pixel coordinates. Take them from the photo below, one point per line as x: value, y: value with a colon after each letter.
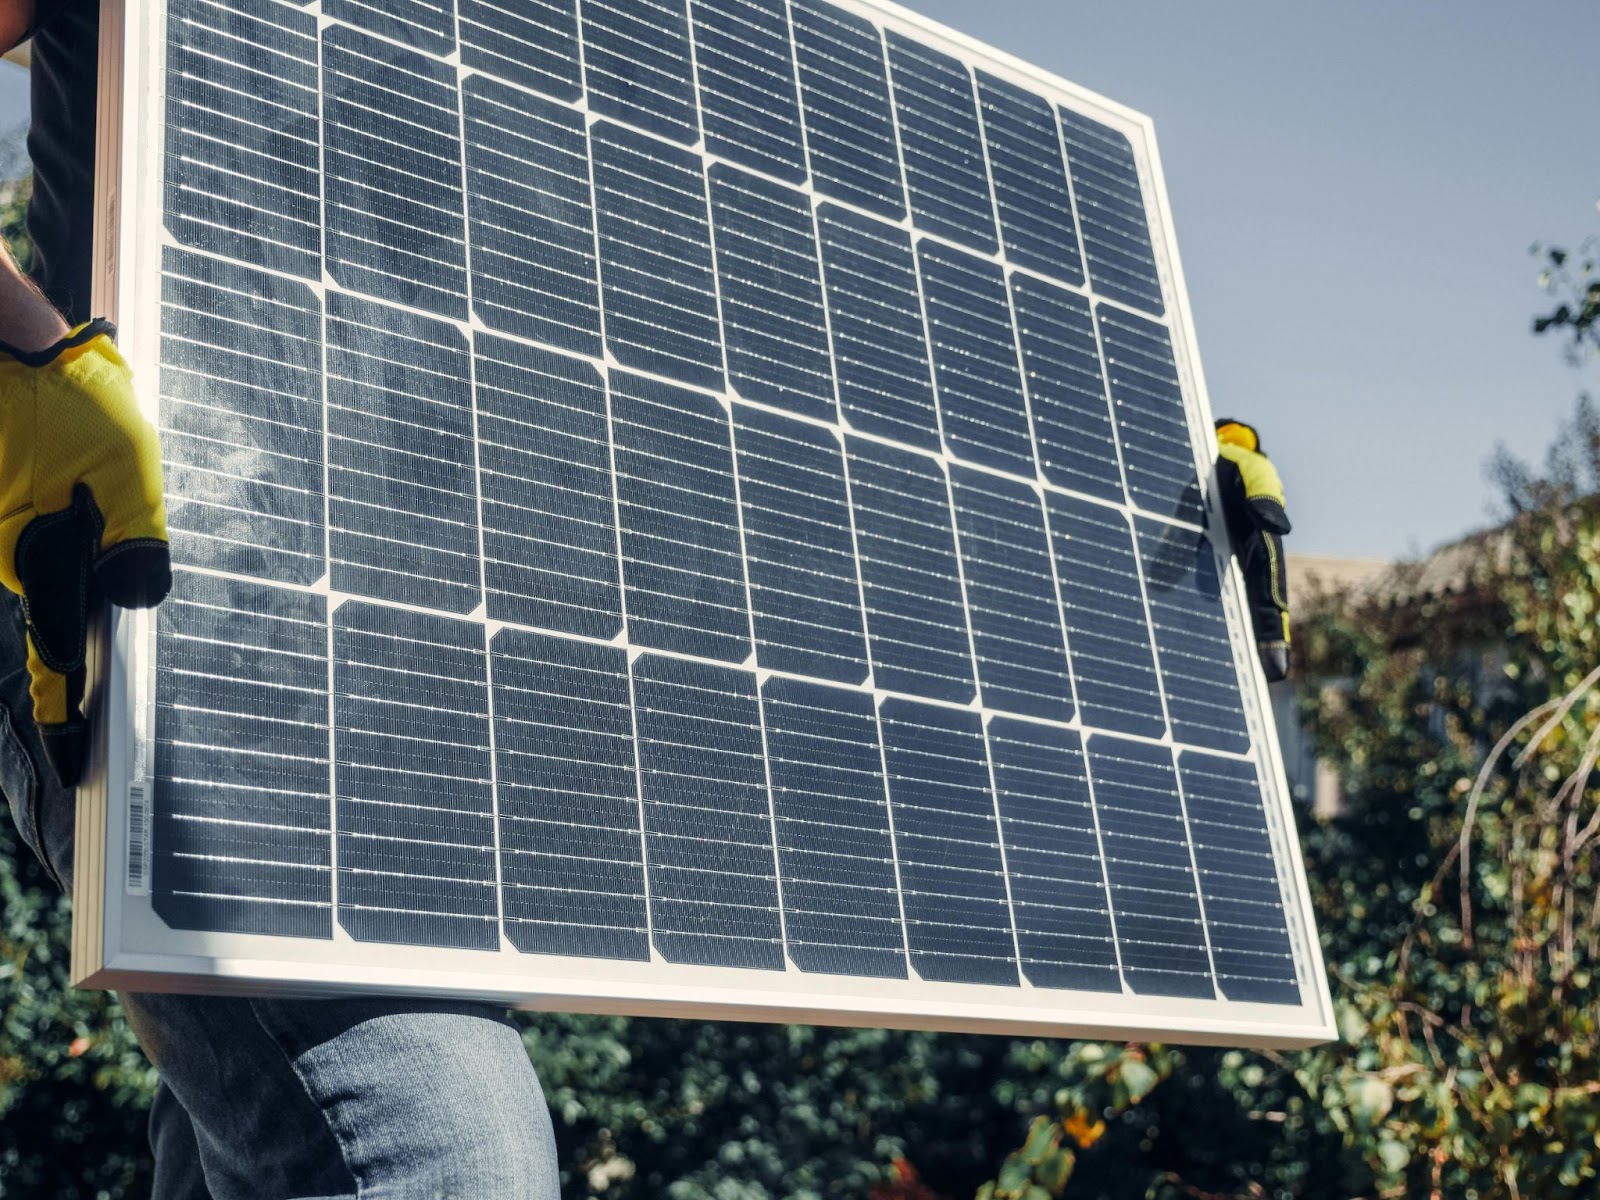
x: 369, y: 1099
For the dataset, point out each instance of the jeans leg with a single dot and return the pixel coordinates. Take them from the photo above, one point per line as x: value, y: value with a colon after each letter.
x: 255, y: 1131
x: 177, y: 1155
x: 371, y: 1098
x: 45, y: 813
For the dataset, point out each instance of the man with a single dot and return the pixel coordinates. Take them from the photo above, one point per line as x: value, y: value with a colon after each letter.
x: 266, y: 1099
x: 1253, y: 506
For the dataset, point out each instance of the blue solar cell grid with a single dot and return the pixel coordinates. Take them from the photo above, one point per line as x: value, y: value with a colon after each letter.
x: 696, y: 480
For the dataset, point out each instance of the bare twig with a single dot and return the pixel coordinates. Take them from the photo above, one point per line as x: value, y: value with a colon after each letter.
x: 1564, y: 706
x: 1574, y: 782
x: 1592, y: 925
x: 1557, y: 709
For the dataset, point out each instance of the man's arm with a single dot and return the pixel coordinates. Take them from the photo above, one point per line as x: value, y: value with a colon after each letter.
x: 27, y: 320
x: 15, y: 18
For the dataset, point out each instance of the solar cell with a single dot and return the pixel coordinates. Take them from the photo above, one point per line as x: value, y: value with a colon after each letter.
x: 983, y: 411
x: 771, y: 287
x: 545, y: 478
x: 1238, y: 879
x: 571, y: 859
x: 1152, y: 424
x: 1102, y: 605
x: 1054, y: 857
x: 391, y: 163
x: 749, y: 101
x: 880, y: 344
x: 1029, y: 170
x: 844, y: 89
x: 241, y: 419
x: 1111, y: 209
x: 637, y: 65
x: 242, y: 837
x: 682, y: 565
x: 952, y: 870
x: 681, y: 506
x: 402, y: 505
x: 941, y: 144
x: 532, y: 43
x: 1150, y: 870
x: 530, y: 201
x: 242, y: 117
x: 426, y: 24
x: 707, y: 815
x: 910, y: 573
x: 655, y: 257
x: 414, y: 806
x: 1191, y: 636
x: 1077, y: 442
x: 1011, y: 600
x: 836, y: 846
x: 805, y: 595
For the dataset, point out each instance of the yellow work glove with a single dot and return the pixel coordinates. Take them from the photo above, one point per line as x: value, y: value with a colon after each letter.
x: 1253, y: 505
x: 80, y: 490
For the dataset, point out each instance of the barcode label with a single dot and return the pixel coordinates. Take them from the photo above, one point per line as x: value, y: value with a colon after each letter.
x: 138, y: 840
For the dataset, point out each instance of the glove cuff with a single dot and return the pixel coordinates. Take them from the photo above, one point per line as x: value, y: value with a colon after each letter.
x: 80, y: 336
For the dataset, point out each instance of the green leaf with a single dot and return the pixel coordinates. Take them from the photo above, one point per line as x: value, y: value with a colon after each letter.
x: 1138, y: 1078
x: 1041, y: 1135
x: 1372, y: 1100
x: 1353, y: 1026
x: 1393, y: 1156
x: 1015, y: 1174
x: 1055, y: 1170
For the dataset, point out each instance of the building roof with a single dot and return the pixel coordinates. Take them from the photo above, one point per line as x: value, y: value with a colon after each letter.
x: 1325, y: 575
x: 1454, y: 569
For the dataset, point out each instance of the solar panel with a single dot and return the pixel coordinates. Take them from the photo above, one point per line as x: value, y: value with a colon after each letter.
x: 679, y: 506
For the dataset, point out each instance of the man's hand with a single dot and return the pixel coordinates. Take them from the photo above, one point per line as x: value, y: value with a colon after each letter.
x: 81, y: 515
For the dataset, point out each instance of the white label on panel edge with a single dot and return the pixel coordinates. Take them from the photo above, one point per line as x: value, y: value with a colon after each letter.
x: 138, y: 840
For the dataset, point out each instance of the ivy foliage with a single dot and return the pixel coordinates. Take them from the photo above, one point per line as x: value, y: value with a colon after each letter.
x: 1456, y: 896
x: 73, y: 1083
x: 16, y: 188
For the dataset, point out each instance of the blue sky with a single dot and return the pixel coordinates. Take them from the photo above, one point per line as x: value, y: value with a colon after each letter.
x: 1355, y: 186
